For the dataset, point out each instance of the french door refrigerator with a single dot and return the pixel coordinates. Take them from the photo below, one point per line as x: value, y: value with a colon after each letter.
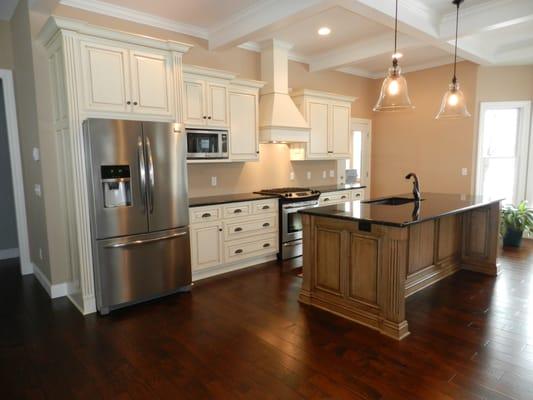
x: 139, y: 215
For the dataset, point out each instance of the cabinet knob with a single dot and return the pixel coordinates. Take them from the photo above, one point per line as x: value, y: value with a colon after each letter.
x: 266, y: 225
x: 206, y: 215
x: 209, y: 117
x: 128, y: 102
x: 237, y: 229
x: 135, y: 103
x: 220, y: 229
x: 257, y: 152
x: 238, y: 251
x: 204, y: 117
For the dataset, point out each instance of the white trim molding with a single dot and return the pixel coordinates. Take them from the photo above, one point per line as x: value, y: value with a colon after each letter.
x: 54, y: 291
x: 6, y: 76
x: 6, y: 254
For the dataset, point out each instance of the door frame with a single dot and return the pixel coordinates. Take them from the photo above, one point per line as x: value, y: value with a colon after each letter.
x: 16, y: 170
x: 522, y: 141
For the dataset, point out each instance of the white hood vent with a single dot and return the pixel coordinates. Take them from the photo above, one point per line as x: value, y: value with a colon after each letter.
x: 279, y: 119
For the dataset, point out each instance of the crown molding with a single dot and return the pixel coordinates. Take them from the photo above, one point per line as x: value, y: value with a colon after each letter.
x: 256, y: 47
x: 358, y: 72
x: 111, y: 10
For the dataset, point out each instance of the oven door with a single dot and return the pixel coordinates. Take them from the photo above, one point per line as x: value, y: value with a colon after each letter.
x: 203, y: 143
x: 291, y: 220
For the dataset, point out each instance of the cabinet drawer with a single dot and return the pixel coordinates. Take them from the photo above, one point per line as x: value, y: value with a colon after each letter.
x: 265, y: 206
x: 205, y: 214
x: 334, y: 197
x: 245, y: 227
x: 237, y: 210
x: 235, y: 251
x: 358, y: 194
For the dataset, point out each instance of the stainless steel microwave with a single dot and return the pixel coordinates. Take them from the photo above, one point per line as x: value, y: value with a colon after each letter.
x: 206, y: 143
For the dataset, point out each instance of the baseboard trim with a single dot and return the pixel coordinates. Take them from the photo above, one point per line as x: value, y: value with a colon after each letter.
x: 6, y: 254
x: 54, y: 291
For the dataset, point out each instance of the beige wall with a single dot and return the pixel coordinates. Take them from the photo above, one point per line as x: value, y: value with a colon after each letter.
x: 6, y: 53
x: 414, y: 141
x: 29, y: 134
x: 505, y: 83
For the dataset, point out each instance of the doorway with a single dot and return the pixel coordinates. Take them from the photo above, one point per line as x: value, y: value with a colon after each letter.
x: 15, y: 201
x: 357, y: 167
x: 504, y: 164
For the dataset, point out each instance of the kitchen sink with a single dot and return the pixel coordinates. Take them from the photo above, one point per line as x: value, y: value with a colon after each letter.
x: 391, y: 201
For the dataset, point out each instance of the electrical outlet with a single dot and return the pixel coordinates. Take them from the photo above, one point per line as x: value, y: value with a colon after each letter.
x: 464, y: 171
x: 37, y: 190
x: 36, y: 154
x: 324, y: 175
x: 291, y: 176
x: 308, y: 175
x: 213, y: 181
x: 332, y: 173
x: 41, y: 254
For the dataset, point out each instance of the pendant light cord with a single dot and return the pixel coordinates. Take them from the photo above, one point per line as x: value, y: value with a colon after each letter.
x: 458, y: 3
x: 394, y: 60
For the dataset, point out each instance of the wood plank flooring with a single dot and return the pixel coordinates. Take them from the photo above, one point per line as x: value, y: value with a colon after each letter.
x: 245, y: 336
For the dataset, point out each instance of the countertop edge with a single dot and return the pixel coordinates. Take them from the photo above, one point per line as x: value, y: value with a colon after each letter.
x: 245, y: 197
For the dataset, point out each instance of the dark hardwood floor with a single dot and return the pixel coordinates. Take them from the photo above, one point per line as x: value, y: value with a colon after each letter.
x: 246, y: 336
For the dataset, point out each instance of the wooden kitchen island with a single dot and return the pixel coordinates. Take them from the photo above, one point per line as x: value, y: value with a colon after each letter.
x: 363, y: 259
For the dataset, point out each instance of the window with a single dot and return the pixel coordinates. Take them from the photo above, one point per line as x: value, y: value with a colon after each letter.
x: 503, y: 151
x: 359, y: 161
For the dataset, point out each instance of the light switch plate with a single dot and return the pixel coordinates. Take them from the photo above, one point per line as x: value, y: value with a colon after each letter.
x: 464, y: 171
x: 37, y: 190
x: 36, y: 154
x: 308, y: 175
x: 213, y: 181
x: 332, y: 173
x: 291, y: 176
x: 324, y: 175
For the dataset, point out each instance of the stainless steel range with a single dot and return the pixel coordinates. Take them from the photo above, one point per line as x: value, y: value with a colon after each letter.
x: 291, y: 200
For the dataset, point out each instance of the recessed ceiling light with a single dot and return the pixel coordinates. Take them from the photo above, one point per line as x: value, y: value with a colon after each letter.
x: 324, y: 31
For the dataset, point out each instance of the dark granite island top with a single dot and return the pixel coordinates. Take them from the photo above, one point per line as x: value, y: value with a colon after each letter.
x: 363, y: 259
x: 432, y: 206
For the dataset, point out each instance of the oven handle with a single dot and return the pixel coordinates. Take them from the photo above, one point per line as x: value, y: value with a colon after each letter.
x: 300, y: 207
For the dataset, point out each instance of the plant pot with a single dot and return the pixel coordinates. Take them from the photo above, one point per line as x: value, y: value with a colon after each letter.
x: 512, y: 238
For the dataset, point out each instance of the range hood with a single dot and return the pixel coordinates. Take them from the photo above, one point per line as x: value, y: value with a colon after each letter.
x: 279, y: 119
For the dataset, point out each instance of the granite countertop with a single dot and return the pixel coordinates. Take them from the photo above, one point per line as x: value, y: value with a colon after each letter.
x: 227, y: 198
x: 337, y: 187
x: 432, y: 206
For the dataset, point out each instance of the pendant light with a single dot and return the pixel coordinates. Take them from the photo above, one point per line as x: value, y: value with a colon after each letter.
x: 453, y: 103
x: 394, y: 95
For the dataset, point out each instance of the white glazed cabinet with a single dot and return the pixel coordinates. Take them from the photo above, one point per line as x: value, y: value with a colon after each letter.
x: 125, y: 79
x: 206, y: 97
x: 329, y: 118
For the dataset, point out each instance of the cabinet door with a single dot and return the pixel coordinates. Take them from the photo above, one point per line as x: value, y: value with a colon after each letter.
x: 217, y: 105
x: 151, y: 83
x: 318, y: 116
x: 194, y: 103
x: 106, y: 80
x: 340, y: 134
x: 243, y: 126
x: 206, y: 245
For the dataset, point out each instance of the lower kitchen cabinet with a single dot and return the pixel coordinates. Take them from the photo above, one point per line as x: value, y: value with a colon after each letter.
x: 232, y: 236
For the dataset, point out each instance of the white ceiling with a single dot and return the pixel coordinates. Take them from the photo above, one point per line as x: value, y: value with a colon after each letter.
x: 492, y: 32
x: 7, y: 7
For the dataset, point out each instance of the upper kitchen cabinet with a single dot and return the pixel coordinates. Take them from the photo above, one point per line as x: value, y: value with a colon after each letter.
x: 329, y: 118
x: 243, y: 118
x: 206, y: 94
x: 125, y: 79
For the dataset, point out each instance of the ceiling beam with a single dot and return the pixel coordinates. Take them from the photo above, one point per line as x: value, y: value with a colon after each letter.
x: 262, y: 18
x: 359, y: 51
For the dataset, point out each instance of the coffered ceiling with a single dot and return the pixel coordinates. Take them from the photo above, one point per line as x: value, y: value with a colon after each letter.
x: 492, y: 32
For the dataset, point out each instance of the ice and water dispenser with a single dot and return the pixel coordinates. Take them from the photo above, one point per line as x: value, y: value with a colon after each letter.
x: 116, y: 185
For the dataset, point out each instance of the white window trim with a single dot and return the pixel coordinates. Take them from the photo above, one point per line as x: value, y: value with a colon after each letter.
x: 522, y: 142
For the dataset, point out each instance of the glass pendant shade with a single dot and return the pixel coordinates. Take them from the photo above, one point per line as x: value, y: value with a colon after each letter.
x: 453, y: 103
x: 394, y: 95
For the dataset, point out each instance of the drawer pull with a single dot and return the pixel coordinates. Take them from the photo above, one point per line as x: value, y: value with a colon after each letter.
x: 265, y: 207
x: 326, y: 199
x: 238, y: 229
x: 266, y: 225
x: 237, y: 211
x: 238, y: 251
x: 206, y: 215
x: 266, y: 245
x: 358, y: 195
x: 343, y: 197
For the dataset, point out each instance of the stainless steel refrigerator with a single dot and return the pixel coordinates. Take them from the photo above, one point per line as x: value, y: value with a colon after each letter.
x: 137, y: 174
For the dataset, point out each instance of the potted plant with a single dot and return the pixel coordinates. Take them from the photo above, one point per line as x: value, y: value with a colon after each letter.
x: 515, y: 222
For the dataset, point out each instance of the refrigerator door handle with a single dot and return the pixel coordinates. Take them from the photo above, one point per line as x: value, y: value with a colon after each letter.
x: 150, y: 173
x: 142, y: 170
x: 137, y: 242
